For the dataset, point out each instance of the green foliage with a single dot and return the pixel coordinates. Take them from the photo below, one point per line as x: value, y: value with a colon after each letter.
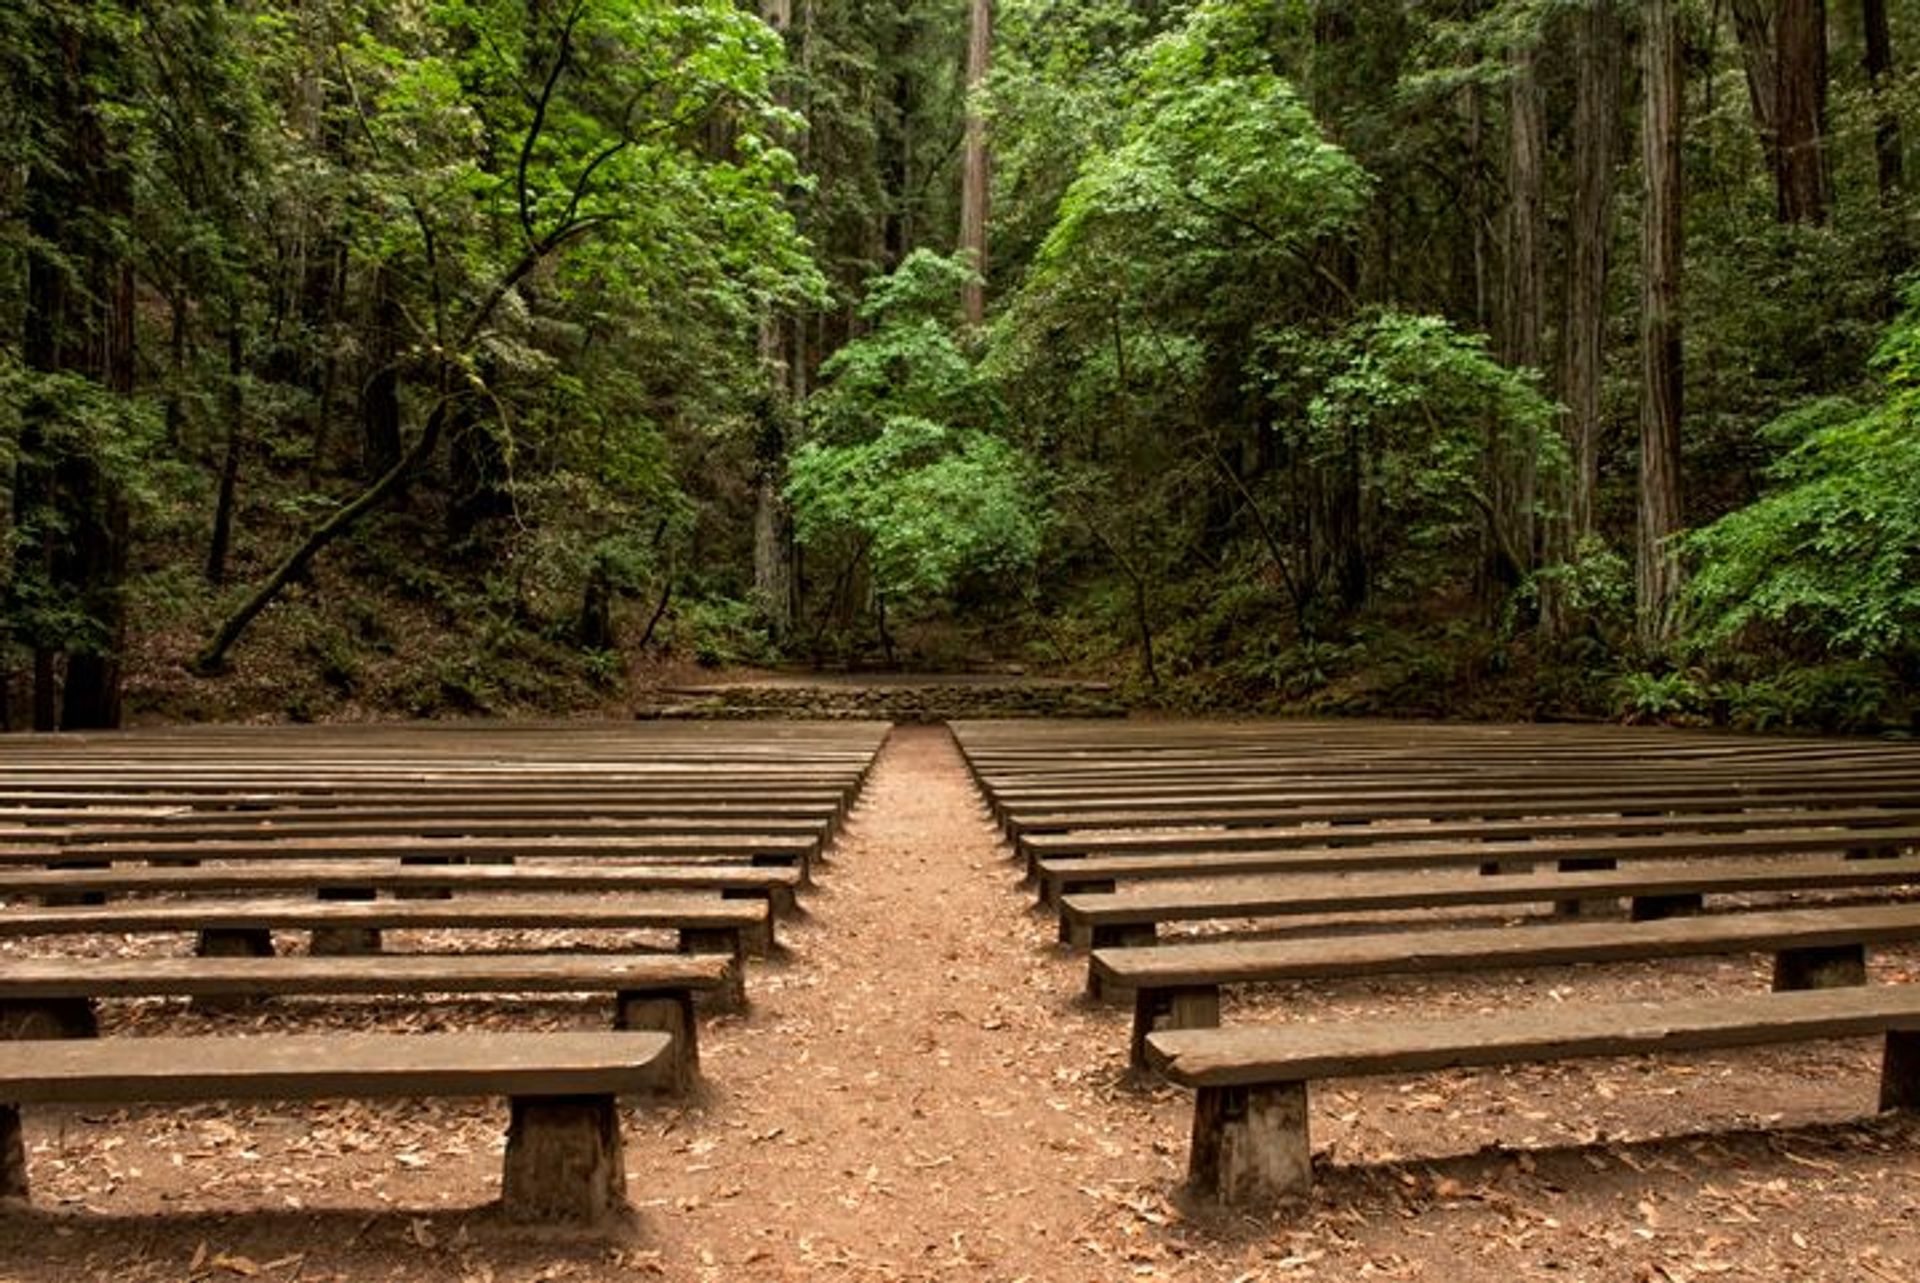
x: 926, y: 504
x: 911, y: 362
x: 1594, y: 584
x: 1220, y: 170
x: 1403, y: 407
x: 721, y: 630
x: 1850, y: 697
x: 1828, y: 555
x: 1679, y: 696
x: 904, y: 478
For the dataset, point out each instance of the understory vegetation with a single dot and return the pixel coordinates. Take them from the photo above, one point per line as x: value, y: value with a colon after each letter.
x: 1516, y: 358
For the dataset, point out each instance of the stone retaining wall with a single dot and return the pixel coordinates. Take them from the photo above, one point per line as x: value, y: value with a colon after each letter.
x: 898, y: 702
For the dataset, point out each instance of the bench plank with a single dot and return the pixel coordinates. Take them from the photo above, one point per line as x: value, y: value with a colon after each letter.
x: 266, y: 847
x: 1349, y: 1049
x: 1227, y: 831
x: 1058, y: 871
x: 325, y: 1066
x: 1456, y: 948
x: 777, y: 884
x: 43, y: 978
x: 1302, y: 895
x: 632, y: 911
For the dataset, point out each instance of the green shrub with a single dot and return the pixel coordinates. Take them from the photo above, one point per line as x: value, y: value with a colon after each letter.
x: 1680, y: 697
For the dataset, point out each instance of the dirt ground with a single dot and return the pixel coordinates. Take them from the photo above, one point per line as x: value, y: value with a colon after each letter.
x: 919, y: 1092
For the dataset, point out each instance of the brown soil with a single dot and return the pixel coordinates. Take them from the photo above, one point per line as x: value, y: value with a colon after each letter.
x: 919, y: 1093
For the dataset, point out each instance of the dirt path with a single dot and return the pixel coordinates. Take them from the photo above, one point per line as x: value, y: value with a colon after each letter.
x: 898, y: 1092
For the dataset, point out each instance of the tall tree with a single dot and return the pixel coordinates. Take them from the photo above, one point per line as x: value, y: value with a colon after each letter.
x: 1596, y: 132
x: 974, y: 182
x: 70, y: 511
x: 1784, y: 46
x: 1512, y: 476
x: 1886, y: 127
x: 1661, y: 244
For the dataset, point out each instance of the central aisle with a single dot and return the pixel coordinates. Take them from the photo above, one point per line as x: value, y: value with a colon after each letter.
x: 894, y: 1106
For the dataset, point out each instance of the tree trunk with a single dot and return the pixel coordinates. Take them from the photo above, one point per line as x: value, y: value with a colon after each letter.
x: 70, y: 518
x: 1511, y: 466
x: 782, y: 364
x: 380, y: 397
x: 1784, y: 49
x: 897, y: 235
x: 1801, y: 63
x: 1658, y: 570
x: 773, y: 555
x: 210, y: 659
x: 1888, y: 162
x: 236, y: 444
x: 1596, y: 129
x: 974, y: 176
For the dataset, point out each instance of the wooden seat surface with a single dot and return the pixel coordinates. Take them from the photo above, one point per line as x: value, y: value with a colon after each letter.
x: 1256, y: 1054
x: 740, y: 847
x: 1058, y: 870
x: 1240, y: 962
x: 23, y: 979
x: 299, y: 875
x: 522, y: 912
x: 1199, y: 832
x: 1301, y: 895
x: 323, y: 1066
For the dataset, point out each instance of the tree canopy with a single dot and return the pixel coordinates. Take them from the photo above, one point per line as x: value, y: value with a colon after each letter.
x: 1498, y: 356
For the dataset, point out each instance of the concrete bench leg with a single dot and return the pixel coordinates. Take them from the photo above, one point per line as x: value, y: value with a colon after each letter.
x: 232, y: 942
x: 1574, y: 908
x: 1873, y: 853
x: 668, y: 1011
x: 236, y: 942
x: 1824, y: 967
x: 1900, y: 1070
x: 761, y: 942
x: 1250, y: 1144
x: 424, y: 893
x: 724, y: 940
x: 64, y: 899
x: 48, y: 1018
x: 1052, y: 892
x: 777, y: 861
x: 1138, y: 935
x: 563, y: 1159
x: 13, y: 1155
x: 1190, y: 1008
x: 345, y: 941
x: 1495, y: 865
x: 1651, y: 908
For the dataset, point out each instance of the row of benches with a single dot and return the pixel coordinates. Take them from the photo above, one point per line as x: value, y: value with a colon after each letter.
x: 1131, y: 829
x: 228, y: 837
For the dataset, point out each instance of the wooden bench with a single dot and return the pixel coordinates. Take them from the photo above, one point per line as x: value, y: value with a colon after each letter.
x: 1226, y: 831
x: 1060, y: 875
x: 563, y: 1156
x: 244, y: 927
x: 776, y: 886
x: 57, y: 997
x: 1059, y: 809
x: 351, y: 826
x: 1132, y: 917
x: 744, y: 849
x: 1250, y: 1135
x: 1178, y: 985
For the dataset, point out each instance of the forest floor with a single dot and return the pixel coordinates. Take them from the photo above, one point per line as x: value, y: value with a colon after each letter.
x: 918, y: 1092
